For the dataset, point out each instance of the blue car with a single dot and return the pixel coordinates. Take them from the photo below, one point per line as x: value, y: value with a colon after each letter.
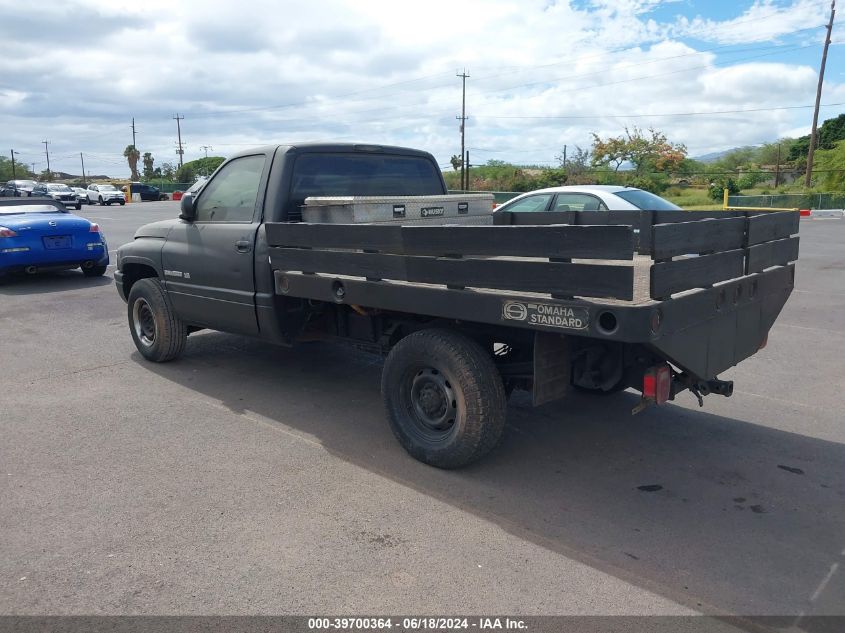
x: 38, y: 234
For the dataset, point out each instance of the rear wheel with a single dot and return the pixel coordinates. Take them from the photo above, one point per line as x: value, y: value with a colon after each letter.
x: 157, y: 332
x: 444, y: 398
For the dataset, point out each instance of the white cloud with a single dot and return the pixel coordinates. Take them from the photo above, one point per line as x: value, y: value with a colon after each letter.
x: 260, y: 71
x: 763, y: 21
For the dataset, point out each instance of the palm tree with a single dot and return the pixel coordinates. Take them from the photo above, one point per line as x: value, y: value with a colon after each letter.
x: 133, y: 156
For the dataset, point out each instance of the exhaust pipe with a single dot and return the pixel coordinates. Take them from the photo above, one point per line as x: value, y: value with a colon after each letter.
x: 30, y: 270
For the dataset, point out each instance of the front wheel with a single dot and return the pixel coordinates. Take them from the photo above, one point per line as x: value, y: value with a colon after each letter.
x: 102, y: 202
x: 444, y: 398
x: 157, y: 332
x: 94, y: 271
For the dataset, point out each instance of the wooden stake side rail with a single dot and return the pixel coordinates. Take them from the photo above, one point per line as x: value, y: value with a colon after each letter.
x: 554, y: 278
x: 728, y: 248
x: 558, y: 242
x: 728, y: 245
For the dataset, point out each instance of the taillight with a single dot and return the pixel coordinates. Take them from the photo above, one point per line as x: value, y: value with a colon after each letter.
x: 95, y: 228
x: 657, y: 383
x: 4, y: 232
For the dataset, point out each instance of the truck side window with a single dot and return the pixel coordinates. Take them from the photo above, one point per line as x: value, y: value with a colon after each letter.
x: 231, y: 195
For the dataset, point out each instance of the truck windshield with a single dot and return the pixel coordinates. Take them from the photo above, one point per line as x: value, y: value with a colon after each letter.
x: 645, y: 200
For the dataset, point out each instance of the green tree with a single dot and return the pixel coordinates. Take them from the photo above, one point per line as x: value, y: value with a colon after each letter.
x: 750, y: 179
x: 829, y: 134
x: 21, y: 171
x: 132, y: 156
x: 718, y: 186
x: 554, y: 177
x: 186, y: 173
x: 647, y: 151
x: 168, y: 171
x: 456, y: 162
x: 829, y: 168
x: 148, y: 165
x: 193, y: 169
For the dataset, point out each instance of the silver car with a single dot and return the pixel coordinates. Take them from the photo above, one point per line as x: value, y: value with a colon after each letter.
x: 587, y: 198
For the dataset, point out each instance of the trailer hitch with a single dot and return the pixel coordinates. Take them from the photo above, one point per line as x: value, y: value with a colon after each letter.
x: 701, y: 388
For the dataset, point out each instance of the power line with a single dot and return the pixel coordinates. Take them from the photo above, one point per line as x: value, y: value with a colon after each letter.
x: 660, y: 114
x: 523, y: 69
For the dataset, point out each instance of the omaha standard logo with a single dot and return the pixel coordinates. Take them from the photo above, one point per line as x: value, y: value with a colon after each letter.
x: 568, y: 317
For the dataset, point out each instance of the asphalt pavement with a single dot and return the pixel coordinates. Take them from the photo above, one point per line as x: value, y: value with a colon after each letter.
x: 246, y: 478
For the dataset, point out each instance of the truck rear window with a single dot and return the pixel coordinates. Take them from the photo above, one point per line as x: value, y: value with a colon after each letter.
x: 362, y: 175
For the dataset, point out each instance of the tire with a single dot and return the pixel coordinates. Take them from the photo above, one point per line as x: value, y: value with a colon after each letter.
x: 444, y: 398
x: 102, y: 202
x: 78, y: 206
x: 157, y: 332
x: 95, y: 271
x: 122, y: 202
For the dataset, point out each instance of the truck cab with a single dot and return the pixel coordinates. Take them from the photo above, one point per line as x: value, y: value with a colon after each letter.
x: 213, y: 258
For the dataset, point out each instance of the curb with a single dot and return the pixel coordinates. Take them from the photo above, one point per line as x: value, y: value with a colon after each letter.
x: 829, y: 214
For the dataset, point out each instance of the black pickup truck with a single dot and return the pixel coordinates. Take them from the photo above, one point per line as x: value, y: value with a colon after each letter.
x: 658, y: 301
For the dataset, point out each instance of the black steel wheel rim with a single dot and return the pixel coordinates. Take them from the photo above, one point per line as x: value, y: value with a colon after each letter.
x: 143, y: 321
x: 431, y: 402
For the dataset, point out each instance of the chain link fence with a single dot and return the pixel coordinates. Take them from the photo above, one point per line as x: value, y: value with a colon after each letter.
x: 791, y: 201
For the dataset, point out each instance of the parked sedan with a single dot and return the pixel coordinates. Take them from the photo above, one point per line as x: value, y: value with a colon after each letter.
x: 57, y: 191
x: 41, y: 234
x: 587, y: 198
x: 105, y: 194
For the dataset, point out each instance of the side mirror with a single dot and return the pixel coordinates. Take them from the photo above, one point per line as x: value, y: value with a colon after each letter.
x: 189, y: 212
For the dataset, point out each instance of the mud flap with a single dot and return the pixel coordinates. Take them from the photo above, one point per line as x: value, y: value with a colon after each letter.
x: 552, y: 367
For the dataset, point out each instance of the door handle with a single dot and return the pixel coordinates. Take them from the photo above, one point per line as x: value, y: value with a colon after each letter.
x: 243, y: 246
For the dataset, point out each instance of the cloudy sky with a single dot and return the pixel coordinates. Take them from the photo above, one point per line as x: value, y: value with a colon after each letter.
x: 712, y: 74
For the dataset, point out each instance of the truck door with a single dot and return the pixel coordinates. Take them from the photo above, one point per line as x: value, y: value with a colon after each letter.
x: 209, y: 263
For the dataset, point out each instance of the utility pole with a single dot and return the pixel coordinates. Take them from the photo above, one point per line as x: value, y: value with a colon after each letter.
x: 777, y: 169
x: 47, y: 151
x: 14, y: 175
x: 179, y: 151
x: 82, y: 160
x: 463, y: 120
x: 468, y: 166
x: 564, y: 156
x: 814, y: 131
x: 206, y: 148
x: 133, y: 133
